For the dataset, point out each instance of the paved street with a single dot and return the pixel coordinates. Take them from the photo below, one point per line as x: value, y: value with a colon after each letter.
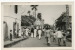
x: 35, y: 42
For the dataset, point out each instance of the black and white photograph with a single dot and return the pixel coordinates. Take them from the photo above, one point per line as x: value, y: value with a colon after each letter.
x: 37, y: 25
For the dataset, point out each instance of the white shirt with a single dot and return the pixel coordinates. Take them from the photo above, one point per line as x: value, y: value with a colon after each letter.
x: 48, y: 33
x: 27, y: 30
x: 54, y: 34
x: 35, y: 30
x: 59, y: 34
x: 39, y: 31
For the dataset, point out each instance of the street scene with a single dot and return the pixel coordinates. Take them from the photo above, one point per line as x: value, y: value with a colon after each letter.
x: 37, y: 26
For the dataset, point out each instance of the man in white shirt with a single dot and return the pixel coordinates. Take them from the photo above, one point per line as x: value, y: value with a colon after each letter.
x: 27, y: 30
x: 39, y: 32
x: 59, y: 36
x: 35, y: 32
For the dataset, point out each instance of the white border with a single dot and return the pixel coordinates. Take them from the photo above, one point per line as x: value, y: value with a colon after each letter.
x: 46, y: 48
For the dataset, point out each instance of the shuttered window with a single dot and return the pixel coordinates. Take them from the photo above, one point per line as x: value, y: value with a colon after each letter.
x: 16, y: 9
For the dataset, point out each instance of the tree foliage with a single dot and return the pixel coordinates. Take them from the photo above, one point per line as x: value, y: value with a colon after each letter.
x: 27, y: 20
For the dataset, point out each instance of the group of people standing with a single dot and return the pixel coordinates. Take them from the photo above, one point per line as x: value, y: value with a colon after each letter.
x: 33, y: 32
x: 36, y: 32
x: 56, y: 35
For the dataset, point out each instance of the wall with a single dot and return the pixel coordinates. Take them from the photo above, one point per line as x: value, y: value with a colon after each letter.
x: 9, y: 17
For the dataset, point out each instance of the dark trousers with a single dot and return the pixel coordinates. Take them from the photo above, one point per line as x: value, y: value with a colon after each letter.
x: 59, y: 41
x: 46, y: 39
x: 42, y: 33
x: 10, y: 37
x: 64, y: 42
x: 54, y: 40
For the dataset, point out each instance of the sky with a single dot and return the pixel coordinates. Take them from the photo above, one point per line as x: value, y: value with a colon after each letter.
x: 49, y: 12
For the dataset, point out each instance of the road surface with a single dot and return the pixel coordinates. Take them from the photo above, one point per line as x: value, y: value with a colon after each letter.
x: 35, y: 42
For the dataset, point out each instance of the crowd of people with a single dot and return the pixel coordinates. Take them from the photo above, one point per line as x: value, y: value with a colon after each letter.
x: 57, y: 35
x: 33, y: 32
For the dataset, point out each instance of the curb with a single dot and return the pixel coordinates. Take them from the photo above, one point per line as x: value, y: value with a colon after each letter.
x: 13, y: 43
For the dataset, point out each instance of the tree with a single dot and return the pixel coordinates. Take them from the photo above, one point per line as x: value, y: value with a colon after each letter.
x: 27, y: 20
x: 34, y: 7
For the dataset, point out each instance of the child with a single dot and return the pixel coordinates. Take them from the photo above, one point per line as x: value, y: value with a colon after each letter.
x: 54, y: 36
x: 10, y: 35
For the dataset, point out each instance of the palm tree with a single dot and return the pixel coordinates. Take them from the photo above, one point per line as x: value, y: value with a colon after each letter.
x: 34, y: 7
x: 29, y: 13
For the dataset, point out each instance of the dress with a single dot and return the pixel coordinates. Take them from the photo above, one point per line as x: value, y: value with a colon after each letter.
x: 48, y: 35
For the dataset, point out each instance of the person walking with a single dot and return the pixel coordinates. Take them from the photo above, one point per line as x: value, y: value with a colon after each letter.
x: 48, y: 36
x: 43, y: 31
x: 24, y: 32
x: 15, y: 34
x: 54, y: 36
x: 35, y: 32
x: 32, y: 32
x: 59, y: 36
x: 10, y: 35
x: 64, y: 38
x: 39, y: 32
x: 27, y: 30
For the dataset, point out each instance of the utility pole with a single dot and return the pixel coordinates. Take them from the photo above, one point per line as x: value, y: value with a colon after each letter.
x: 67, y: 17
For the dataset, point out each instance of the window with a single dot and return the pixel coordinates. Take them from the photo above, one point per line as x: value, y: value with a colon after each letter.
x: 16, y: 9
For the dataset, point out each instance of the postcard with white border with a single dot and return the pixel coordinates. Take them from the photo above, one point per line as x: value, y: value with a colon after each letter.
x: 37, y: 25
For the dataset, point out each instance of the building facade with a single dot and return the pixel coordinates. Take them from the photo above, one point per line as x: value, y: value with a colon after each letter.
x: 39, y: 23
x: 11, y: 21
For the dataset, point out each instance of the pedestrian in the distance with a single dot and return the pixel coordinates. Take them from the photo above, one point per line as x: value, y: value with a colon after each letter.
x: 10, y: 35
x: 54, y: 36
x: 59, y: 36
x: 64, y: 38
x: 35, y: 32
x: 23, y: 32
x: 67, y: 34
x: 15, y: 34
x: 32, y: 32
x: 39, y: 32
x: 27, y: 30
x: 48, y: 36
x: 43, y: 31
